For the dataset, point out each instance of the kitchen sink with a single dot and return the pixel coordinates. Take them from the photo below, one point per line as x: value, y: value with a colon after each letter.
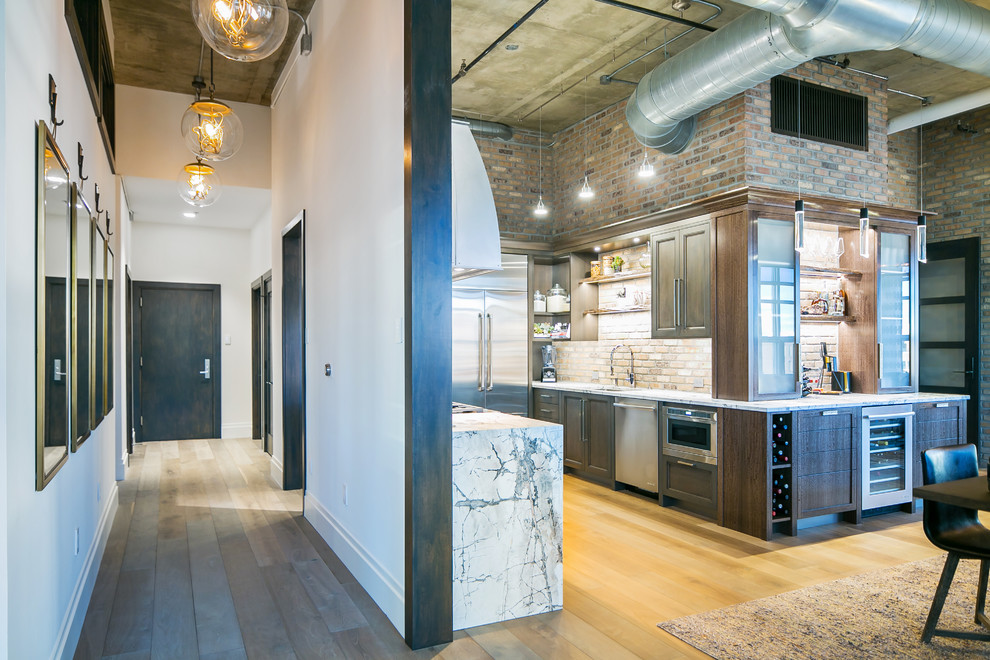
x: 614, y: 388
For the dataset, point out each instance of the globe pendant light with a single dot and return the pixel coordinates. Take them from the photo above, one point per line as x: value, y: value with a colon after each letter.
x: 211, y: 129
x: 242, y: 30
x: 199, y: 184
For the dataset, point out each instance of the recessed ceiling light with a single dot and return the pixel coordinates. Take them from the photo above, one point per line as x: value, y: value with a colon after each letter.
x: 636, y: 240
x: 597, y: 249
x: 189, y: 214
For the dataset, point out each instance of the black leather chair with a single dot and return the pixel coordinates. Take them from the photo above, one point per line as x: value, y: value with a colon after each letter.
x: 956, y: 530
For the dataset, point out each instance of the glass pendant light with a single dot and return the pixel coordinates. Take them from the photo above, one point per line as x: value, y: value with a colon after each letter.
x: 864, y: 232
x: 922, y: 239
x: 242, y: 30
x: 199, y: 184
x: 210, y: 128
x: 921, y: 243
x: 586, y: 191
x: 799, y: 225
x: 541, y: 208
x: 646, y: 169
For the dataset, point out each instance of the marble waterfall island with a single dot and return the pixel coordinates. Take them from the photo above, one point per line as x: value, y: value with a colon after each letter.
x: 508, y: 518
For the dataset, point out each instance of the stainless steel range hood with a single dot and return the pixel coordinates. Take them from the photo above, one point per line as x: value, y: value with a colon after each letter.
x: 476, y: 243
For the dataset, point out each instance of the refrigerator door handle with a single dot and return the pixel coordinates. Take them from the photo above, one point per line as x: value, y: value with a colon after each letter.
x: 481, y: 354
x: 491, y: 378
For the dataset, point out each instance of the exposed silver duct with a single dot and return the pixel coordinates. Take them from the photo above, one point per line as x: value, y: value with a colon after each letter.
x: 488, y: 129
x: 782, y: 34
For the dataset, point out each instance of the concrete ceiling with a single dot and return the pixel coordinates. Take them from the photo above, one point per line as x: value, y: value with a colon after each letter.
x: 565, y: 47
x: 157, y: 45
x: 155, y: 200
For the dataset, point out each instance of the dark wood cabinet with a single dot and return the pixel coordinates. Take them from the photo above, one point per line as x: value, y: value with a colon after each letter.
x: 682, y: 280
x: 937, y: 425
x: 693, y: 485
x: 827, y: 463
x: 588, y: 435
x: 546, y: 405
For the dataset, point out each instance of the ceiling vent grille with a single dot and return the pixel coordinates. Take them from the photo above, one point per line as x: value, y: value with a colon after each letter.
x: 826, y: 115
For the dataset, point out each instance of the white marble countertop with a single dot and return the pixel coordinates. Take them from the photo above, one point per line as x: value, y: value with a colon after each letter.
x: 492, y: 421
x: 810, y: 402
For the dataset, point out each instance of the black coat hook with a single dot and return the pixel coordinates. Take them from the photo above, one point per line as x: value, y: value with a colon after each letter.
x: 109, y: 233
x: 81, y: 158
x: 96, y: 196
x: 52, y: 100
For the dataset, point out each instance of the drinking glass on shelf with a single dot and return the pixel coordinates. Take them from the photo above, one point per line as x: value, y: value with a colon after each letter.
x: 840, y: 248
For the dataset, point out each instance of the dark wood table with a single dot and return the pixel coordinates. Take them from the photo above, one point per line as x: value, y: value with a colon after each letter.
x: 971, y: 493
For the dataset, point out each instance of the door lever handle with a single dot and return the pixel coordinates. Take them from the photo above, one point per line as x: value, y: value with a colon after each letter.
x: 206, y: 372
x: 58, y: 373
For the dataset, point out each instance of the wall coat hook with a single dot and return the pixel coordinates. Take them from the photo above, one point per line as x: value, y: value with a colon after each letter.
x: 52, y: 101
x: 96, y: 196
x: 109, y: 233
x: 81, y: 158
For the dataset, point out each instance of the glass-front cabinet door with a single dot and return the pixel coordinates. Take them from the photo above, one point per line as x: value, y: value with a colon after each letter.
x: 896, y: 323
x: 777, y: 305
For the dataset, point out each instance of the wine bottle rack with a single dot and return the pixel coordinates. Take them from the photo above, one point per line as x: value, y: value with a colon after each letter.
x: 780, y: 495
x: 781, y: 442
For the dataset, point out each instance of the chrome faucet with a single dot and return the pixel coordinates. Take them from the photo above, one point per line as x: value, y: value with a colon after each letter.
x: 611, y: 365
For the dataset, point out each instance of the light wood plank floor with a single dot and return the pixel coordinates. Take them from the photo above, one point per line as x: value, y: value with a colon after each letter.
x: 204, y: 567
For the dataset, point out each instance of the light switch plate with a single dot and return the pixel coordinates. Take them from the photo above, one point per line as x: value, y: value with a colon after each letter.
x: 226, y: 340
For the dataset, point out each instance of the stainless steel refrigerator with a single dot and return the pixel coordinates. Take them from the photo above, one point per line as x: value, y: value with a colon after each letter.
x: 490, y: 339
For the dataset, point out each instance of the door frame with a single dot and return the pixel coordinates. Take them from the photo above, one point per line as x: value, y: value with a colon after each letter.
x: 136, y: 305
x: 969, y: 249
x: 261, y: 327
x: 129, y: 360
x: 294, y: 352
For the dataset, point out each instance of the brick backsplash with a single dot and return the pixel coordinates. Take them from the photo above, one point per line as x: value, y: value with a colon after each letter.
x: 668, y: 364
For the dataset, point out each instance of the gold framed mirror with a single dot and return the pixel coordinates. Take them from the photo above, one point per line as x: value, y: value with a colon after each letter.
x: 98, y: 327
x: 82, y: 255
x: 53, y: 273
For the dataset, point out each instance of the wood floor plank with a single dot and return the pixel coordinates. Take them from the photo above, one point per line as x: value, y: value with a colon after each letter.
x: 309, y: 635
x: 235, y: 654
x: 260, y: 622
x: 341, y: 572
x: 216, y: 619
x: 500, y: 643
x: 264, y: 542
x: 130, y: 626
x: 142, y: 537
x: 331, y: 599
x: 174, y: 633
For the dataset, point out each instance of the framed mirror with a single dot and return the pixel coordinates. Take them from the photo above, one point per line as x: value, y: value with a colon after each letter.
x: 97, y: 327
x: 52, y: 339
x: 82, y: 255
x: 108, y: 335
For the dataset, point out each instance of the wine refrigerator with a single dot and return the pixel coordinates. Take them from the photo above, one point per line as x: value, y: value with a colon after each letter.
x: 887, y: 455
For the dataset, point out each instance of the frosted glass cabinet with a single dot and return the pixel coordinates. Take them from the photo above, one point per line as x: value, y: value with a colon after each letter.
x: 896, y: 321
x: 777, y: 308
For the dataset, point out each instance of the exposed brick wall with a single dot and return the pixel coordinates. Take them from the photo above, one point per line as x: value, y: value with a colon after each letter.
x: 957, y: 172
x: 514, y: 172
x: 902, y: 169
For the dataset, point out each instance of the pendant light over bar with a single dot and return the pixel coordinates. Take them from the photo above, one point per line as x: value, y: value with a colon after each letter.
x: 586, y: 191
x: 864, y: 232
x: 541, y: 208
x: 646, y: 169
x: 921, y: 245
x: 799, y: 225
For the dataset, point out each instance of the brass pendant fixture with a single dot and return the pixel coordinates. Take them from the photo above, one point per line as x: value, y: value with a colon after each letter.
x: 199, y: 184
x: 242, y: 30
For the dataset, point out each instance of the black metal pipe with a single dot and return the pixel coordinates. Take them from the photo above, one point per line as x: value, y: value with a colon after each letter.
x: 657, y: 14
x: 491, y: 47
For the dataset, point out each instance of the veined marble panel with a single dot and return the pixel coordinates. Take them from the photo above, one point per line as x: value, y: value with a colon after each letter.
x: 508, y: 519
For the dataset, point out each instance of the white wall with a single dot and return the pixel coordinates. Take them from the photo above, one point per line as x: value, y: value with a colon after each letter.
x: 3, y: 333
x: 337, y: 152
x: 148, y: 123
x: 207, y: 255
x: 260, y: 259
x: 47, y: 585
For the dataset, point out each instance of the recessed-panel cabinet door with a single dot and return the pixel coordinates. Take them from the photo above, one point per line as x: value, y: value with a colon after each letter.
x: 666, y: 278
x: 599, y: 435
x: 573, y: 416
x: 695, y: 286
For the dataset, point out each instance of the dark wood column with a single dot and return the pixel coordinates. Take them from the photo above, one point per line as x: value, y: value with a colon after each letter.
x: 429, y: 618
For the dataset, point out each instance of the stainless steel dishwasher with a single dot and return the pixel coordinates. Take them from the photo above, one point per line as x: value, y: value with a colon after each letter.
x: 637, y: 443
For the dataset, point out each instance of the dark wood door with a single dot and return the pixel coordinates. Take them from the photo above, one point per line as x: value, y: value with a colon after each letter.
x: 695, y: 285
x: 293, y: 356
x: 827, y: 461
x: 599, y: 437
x: 178, y: 328
x: 666, y: 277
x: 266, y: 363
x: 573, y: 416
x: 948, y: 291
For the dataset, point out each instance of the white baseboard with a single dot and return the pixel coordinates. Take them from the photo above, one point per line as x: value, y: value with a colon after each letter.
x: 276, y: 472
x: 236, y: 430
x: 383, y: 588
x: 72, y: 623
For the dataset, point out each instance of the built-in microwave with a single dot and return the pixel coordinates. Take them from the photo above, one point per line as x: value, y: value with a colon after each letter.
x: 690, y: 433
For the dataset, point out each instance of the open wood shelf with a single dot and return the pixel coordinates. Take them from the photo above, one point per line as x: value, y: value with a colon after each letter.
x: 599, y: 312
x: 826, y: 318
x: 621, y: 277
x: 551, y: 313
x: 816, y: 271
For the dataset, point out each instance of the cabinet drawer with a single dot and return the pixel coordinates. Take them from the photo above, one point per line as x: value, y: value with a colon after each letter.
x: 690, y: 482
x: 821, y: 441
x: 820, y: 462
x: 826, y: 420
x: 546, y: 397
x: 547, y: 413
x: 821, y: 494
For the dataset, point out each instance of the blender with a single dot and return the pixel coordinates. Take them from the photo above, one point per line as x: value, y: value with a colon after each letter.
x: 549, y: 364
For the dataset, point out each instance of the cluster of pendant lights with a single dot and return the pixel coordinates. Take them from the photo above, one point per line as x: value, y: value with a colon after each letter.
x: 240, y: 30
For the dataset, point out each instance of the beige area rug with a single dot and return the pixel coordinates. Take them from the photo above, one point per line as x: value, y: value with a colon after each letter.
x: 869, y: 616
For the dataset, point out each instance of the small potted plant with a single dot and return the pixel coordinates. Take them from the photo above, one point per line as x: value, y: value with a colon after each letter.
x: 617, y: 262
